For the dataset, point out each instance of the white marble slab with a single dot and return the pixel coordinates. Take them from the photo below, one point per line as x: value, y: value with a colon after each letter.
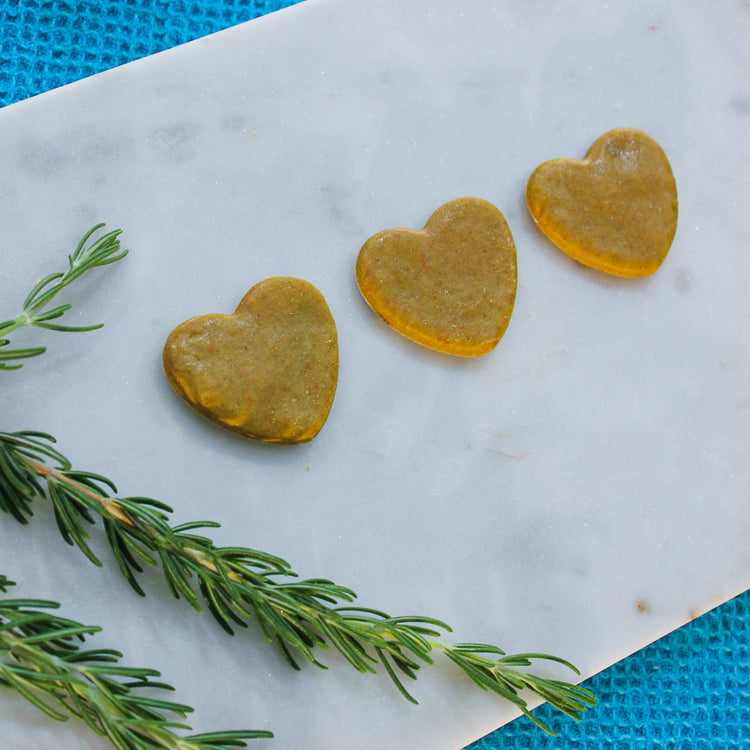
x: 582, y: 490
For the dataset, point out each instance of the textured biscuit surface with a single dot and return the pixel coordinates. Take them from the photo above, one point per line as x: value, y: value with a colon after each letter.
x: 268, y: 371
x: 615, y: 210
x: 450, y: 286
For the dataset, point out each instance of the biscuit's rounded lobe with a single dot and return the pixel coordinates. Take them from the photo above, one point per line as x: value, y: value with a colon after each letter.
x: 268, y: 371
x: 450, y: 286
x: 615, y: 210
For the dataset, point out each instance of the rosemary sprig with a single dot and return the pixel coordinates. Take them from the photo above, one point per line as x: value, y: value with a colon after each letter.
x: 88, y: 255
x: 41, y: 658
x: 237, y: 584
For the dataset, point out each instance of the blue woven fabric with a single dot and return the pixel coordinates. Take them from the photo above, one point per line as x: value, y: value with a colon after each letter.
x: 691, y: 689
x: 48, y: 43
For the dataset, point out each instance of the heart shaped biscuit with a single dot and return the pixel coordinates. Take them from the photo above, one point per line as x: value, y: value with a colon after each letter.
x: 450, y: 286
x: 616, y: 210
x: 268, y: 371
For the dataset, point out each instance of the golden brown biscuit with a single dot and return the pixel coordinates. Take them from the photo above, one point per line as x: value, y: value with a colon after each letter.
x: 450, y: 286
x: 268, y: 371
x: 616, y: 210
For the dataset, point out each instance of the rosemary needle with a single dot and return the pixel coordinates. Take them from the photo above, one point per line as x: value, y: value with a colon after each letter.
x: 42, y: 659
x: 238, y: 584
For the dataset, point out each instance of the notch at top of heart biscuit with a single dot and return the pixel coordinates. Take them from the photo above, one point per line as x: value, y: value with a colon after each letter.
x: 615, y: 210
x: 268, y: 371
x: 450, y: 286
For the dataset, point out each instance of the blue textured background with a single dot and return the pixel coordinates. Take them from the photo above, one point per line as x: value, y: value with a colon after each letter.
x: 691, y: 689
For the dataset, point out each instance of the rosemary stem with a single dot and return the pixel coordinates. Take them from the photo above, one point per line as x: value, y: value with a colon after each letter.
x: 109, y: 506
x: 20, y: 321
